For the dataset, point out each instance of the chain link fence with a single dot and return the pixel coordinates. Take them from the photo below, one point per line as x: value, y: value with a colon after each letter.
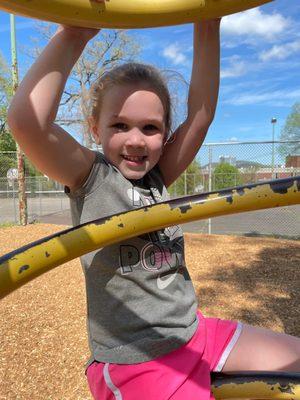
x: 44, y: 196
x: 224, y: 165
x: 219, y: 165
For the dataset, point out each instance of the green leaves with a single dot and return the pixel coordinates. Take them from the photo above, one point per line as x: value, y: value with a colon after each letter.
x: 225, y: 176
x: 291, y: 131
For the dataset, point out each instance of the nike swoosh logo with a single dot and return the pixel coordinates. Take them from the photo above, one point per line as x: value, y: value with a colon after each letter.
x: 163, y: 283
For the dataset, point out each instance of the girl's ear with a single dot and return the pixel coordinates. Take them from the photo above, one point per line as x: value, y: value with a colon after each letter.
x: 94, y: 129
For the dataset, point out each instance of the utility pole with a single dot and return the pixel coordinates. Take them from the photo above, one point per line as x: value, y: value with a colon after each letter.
x: 209, y: 181
x: 20, y: 155
x: 273, y: 122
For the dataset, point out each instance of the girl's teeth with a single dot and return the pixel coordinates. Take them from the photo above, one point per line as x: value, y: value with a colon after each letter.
x: 133, y: 158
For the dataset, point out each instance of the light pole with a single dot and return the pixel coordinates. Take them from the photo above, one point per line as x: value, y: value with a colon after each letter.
x: 273, y: 122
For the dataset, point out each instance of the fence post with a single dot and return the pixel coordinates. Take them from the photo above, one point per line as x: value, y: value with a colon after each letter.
x: 14, y: 199
x: 209, y: 181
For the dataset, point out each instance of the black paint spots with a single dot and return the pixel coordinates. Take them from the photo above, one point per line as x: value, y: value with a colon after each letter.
x: 225, y: 193
x: 229, y: 199
x: 101, y: 221
x: 23, y: 268
x: 184, y: 209
x: 281, y: 187
x: 240, y: 191
x: 286, y: 389
x: 228, y: 194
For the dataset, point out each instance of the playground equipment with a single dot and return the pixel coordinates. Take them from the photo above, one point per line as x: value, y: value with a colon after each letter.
x: 22, y: 265
x: 256, y: 385
x: 126, y: 14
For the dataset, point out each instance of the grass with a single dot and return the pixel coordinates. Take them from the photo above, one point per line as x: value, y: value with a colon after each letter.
x: 7, y: 225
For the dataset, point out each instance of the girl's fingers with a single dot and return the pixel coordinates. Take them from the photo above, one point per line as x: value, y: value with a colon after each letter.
x: 86, y: 33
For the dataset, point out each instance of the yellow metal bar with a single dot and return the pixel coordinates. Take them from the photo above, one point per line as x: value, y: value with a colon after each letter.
x: 126, y: 14
x: 256, y: 385
x: 22, y: 265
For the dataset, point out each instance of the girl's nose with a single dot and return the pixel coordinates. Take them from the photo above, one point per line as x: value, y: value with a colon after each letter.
x: 136, y: 138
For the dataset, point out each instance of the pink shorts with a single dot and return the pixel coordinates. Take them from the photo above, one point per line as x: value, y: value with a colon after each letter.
x: 183, y: 374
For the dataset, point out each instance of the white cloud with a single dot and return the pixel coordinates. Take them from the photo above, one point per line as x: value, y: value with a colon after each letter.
x: 277, y: 97
x: 255, y: 22
x: 280, y: 52
x: 236, y: 68
x: 174, y: 53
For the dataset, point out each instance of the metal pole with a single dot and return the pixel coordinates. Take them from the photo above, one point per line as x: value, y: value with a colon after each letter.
x: 20, y: 154
x: 209, y: 181
x: 273, y: 122
x: 14, y: 198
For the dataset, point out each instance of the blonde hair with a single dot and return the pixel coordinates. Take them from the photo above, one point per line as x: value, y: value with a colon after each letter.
x: 132, y: 74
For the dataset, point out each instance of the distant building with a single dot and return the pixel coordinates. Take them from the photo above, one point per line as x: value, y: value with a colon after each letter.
x: 263, y: 174
x: 255, y: 172
x: 228, y: 160
x: 292, y: 161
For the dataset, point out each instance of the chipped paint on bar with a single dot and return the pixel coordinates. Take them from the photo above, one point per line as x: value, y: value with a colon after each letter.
x: 262, y: 385
x: 30, y: 261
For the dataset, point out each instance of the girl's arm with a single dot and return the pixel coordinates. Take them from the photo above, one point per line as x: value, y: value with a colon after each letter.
x: 34, y: 107
x: 202, y: 101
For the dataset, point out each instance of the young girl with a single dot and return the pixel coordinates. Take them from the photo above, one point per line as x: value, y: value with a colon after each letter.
x: 147, y: 339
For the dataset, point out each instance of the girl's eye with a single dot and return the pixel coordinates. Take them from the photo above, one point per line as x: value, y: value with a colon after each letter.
x: 120, y: 126
x: 150, y: 127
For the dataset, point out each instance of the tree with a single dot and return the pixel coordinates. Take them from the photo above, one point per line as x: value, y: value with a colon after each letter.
x: 225, y: 176
x: 7, y: 142
x: 291, y: 131
x: 8, y: 148
x: 5, y: 96
x: 188, y: 181
x: 108, y: 49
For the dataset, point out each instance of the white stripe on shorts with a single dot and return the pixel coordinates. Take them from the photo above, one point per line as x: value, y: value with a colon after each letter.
x: 229, y: 347
x: 110, y: 384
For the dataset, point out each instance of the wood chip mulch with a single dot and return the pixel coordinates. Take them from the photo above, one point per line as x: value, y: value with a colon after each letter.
x: 43, y: 340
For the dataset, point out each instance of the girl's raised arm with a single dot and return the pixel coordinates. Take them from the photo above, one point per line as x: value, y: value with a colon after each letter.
x: 33, y: 110
x: 202, y: 100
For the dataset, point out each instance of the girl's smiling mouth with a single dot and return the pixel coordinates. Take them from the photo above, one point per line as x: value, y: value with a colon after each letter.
x: 134, y: 159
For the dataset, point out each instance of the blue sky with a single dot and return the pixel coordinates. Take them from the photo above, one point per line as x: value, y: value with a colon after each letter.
x: 260, y: 64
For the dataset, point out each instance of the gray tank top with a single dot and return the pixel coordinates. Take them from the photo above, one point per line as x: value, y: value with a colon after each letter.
x: 140, y: 299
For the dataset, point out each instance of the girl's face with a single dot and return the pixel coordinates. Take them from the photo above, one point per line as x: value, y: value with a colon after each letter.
x: 131, y: 129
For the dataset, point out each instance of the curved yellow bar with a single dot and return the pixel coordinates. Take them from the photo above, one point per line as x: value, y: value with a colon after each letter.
x: 126, y: 14
x: 22, y: 265
x: 256, y: 385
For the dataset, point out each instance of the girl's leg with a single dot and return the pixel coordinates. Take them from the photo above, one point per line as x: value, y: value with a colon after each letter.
x: 264, y: 350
